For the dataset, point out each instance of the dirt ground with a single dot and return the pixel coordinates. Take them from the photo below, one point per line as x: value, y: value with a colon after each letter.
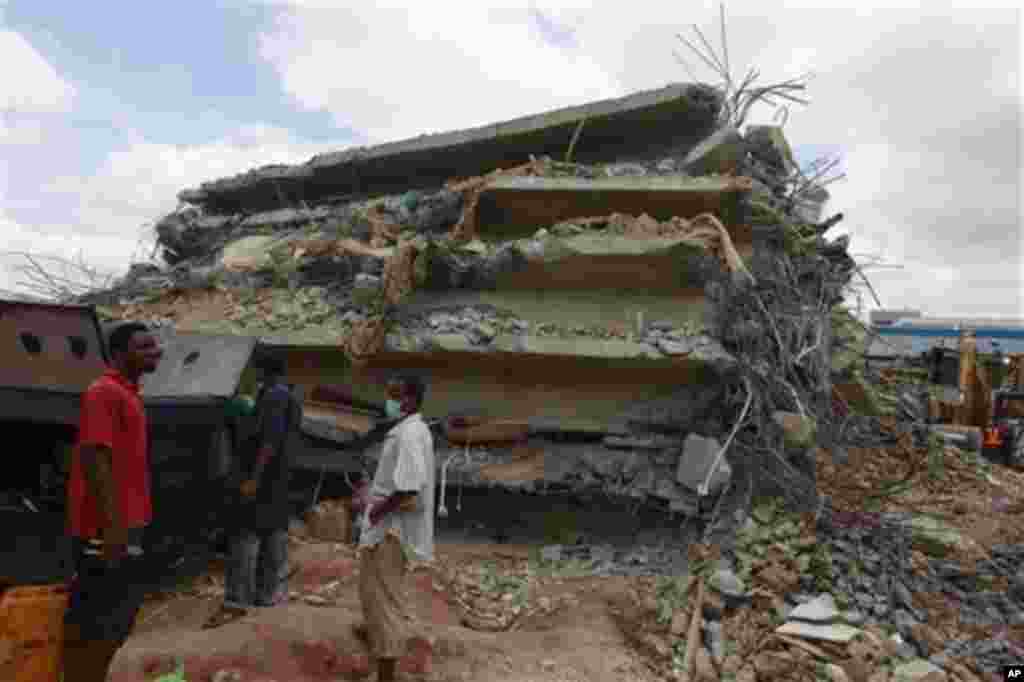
x: 579, y: 639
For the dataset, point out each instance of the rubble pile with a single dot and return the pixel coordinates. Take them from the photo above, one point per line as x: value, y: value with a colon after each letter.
x: 374, y: 275
x: 808, y: 602
x: 659, y: 322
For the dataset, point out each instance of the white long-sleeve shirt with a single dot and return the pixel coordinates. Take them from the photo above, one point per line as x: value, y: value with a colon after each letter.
x: 406, y: 464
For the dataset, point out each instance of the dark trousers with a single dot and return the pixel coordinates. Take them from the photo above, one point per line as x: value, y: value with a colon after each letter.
x: 256, y: 569
x: 104, y: 600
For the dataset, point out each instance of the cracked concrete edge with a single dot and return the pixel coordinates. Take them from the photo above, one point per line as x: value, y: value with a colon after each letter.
x: 470, y: 152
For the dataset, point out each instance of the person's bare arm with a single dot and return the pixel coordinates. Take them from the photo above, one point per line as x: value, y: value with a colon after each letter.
x: 98, y: 470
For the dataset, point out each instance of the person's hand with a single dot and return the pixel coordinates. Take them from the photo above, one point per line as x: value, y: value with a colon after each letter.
x: 115, y: 545
x: 249, y: 488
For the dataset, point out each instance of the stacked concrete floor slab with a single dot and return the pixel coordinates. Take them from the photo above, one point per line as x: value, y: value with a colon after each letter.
x: 557, y: 305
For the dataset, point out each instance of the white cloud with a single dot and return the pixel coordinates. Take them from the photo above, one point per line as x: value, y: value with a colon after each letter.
x: 139, y: 184
x: 110, y: 213
x: 398, y: 73
x: 30, y: 83
x: 18, y: 131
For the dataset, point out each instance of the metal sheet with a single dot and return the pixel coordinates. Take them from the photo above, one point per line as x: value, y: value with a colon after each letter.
x: 49, y: 347
x: 199, y: 366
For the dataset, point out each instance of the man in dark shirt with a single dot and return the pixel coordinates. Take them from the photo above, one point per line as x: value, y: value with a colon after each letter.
x: 109, y: 507
x: 259, y: 546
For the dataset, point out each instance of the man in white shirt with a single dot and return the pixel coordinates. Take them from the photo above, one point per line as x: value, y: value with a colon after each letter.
x: 397, y: 526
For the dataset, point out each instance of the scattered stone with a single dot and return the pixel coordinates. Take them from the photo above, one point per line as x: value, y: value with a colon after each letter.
x: 919, y: 670
x: 551, y: 553
x: 728, y: 584
x: 714, y: 639
x: 831, y: 633
x: 820, y: 610
x: 366, y: 288
x: 698, y: 455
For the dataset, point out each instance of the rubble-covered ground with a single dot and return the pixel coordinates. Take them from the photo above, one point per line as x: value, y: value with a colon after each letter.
x: 861, y: 591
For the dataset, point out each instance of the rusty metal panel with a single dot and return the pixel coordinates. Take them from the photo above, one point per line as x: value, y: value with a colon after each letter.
x: 50, y: 347
x: 198, y: 366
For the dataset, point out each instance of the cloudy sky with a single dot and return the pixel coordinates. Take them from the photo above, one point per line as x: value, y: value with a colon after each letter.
x: 110, y: 108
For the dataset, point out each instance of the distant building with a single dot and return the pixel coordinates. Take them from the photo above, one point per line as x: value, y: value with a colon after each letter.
x: 924, y: 333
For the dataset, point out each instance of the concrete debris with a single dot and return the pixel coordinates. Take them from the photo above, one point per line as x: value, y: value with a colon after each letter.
x: 729, y: 585
x: 768, y: 144
x: 719, y: 154
x: 821, y: 609
x: 829, y: 633
x: 918, y: 671
x: 695, y: 461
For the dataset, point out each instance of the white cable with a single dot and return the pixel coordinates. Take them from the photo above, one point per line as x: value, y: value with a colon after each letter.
x: 442, y: 509
x: 702, y: 489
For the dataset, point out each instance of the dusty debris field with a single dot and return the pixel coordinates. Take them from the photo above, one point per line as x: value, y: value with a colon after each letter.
x: 529, y: 622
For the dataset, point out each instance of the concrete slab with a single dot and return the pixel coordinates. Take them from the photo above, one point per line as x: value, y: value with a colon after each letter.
x: 577, y: 348
x: 645, y: 125
x: 839, y: 633
x: 518, y: 206
x: 611, y: 308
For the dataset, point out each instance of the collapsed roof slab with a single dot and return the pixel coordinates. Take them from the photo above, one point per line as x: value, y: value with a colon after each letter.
x: 512, y: 207
x: 645, y: 125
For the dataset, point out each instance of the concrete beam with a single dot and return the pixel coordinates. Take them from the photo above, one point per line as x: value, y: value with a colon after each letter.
x: 645, y: 125
x: 517, y: 206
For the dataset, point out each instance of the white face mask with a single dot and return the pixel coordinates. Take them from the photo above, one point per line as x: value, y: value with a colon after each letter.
x: 393, y: 409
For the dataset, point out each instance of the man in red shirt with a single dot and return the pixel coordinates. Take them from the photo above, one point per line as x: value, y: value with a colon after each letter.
x: 109, y: 507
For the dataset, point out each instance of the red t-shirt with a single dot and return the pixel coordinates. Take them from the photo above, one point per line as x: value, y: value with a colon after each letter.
x: 112, y: 416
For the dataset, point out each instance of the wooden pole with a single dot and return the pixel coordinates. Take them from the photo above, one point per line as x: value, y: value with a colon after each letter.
x: 693, y: 638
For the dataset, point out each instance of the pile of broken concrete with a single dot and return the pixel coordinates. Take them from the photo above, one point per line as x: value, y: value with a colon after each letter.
x: 800, y: 599
x: 328, y: 254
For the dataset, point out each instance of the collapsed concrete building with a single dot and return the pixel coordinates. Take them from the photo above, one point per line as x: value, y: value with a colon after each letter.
x: 569, y: 282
